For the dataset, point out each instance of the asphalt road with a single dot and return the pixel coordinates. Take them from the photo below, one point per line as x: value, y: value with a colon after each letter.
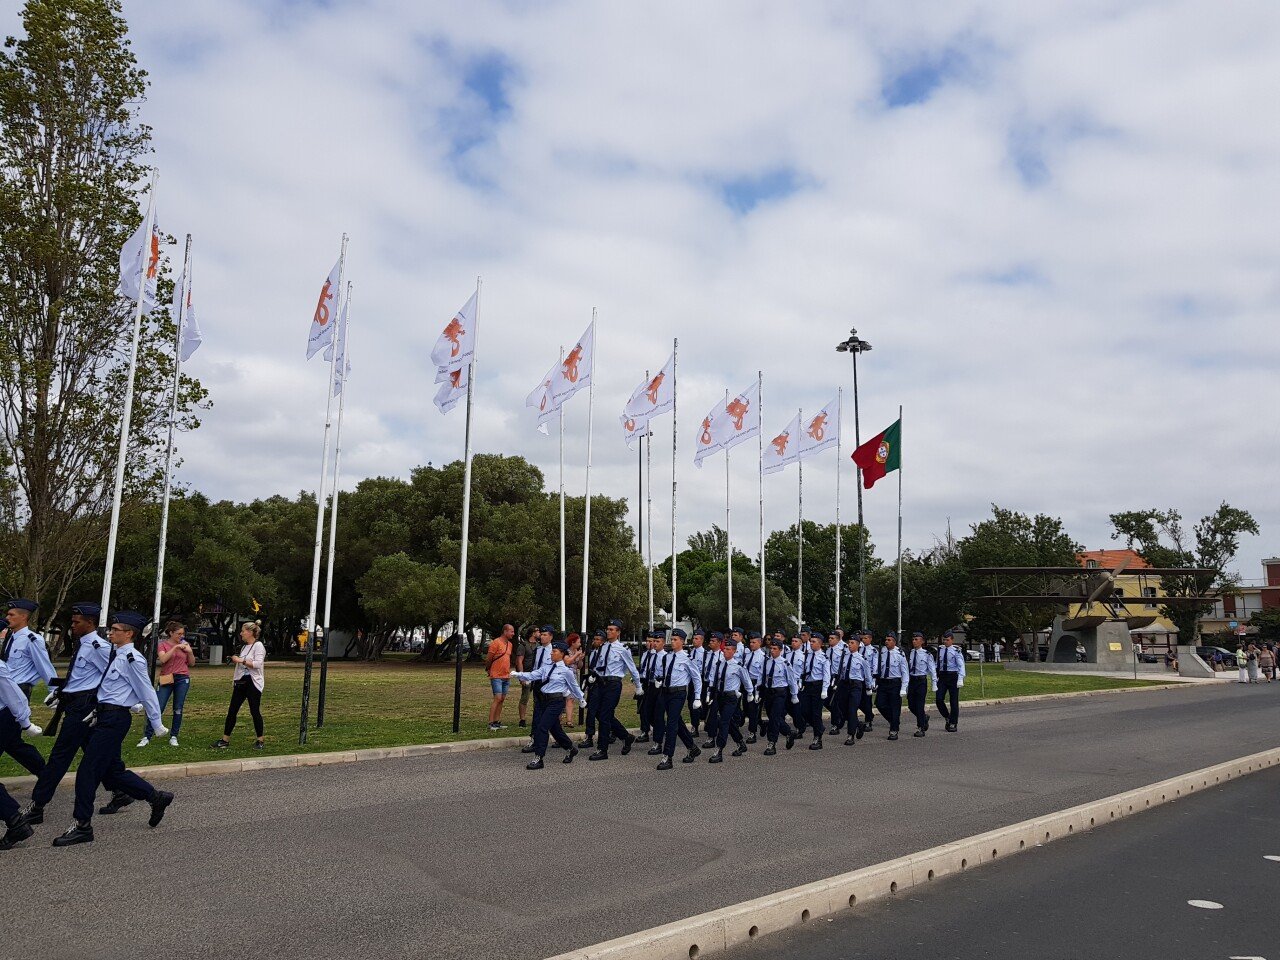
x: 470, y: 855
x: 1119, y: 891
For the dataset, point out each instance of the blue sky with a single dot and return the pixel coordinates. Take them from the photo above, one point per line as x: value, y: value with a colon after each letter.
x: 1055, y: 221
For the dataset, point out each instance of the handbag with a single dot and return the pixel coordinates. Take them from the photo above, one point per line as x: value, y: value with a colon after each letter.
x: 164, y: 680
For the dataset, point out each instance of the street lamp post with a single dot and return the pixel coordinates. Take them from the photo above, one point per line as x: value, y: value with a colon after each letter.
x: 854, y: 346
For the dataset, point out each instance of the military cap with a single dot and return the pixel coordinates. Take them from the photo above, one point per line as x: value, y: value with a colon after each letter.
x: 130, y: 618
x: 561, y: 646
x: 677, y: 632
x: 22, y: 604
x: 88, y: 610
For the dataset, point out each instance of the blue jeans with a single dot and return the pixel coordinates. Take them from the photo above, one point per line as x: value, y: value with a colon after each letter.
x: 178, y: 690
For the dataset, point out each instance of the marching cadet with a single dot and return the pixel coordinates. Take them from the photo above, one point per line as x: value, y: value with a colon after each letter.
x: 25, y: 652
x: 698, y: 656
x: 837, y: 650
x: 679, y: 679
x: 890, y: 678
x: 871, y: 658
x: 653, y: 695
x: 728, y: 681
x: 922, y: 671
x: 855, y: 677
x: 554, y: 681
x: 123, y: 684
x: 74, y: 702
x: 780, y: 687
x: 795, y: 658
x: 615, y: 662
x: 815, y: 678
x: 644, y: 701
x: 950, y: 680
x: 711, y: 707
x: 593, y: 698
x: 15, y: 723
x: 753, y: 658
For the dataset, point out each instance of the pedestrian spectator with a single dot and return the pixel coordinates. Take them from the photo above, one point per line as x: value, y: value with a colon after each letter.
x: 525, y: 650
x: 574, y: 660
x: 497, y: 664
x: 174, y: 659
x: 1267, y: 662
x: 1242, y: 664
x: 246, y: 684
x: 997, y: 648
x: 1251, y: 661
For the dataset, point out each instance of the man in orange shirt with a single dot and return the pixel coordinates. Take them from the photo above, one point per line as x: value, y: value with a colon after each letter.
x: 497, y: 663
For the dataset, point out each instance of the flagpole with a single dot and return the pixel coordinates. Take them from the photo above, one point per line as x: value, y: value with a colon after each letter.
x: 460, y: 622
x: 800, y: 532
x: 586, y: 525
x: 344, y: 319
x: 648, y: 487
x: 108, y: 571
x: 675, y: 348
x: 728, y: 538
x: 563, y: 617
x: 760, y: 479
x: 184, y: 284
x: 315, y: 633
x: 839, y: 423
x: 862, y: 530
x: 899, y: 520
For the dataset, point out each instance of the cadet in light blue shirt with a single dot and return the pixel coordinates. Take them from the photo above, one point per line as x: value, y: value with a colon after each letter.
x: 815, y: 678
x: 614, y: 663
x: 699, y: 656
x: 15, y: 721
x: 921, y: 669
x: 890, y: 678
x: 553, y: 681
x: 15, y: 717
x: 124, y: 684
x: 779, y: 687
x: 650, y: 702
x: 679, y: 679
x: 753, y: 659
x: 837, y: 650
x: 950, y: 679
x: 853, y: 680
x: 728, y: 682
x: 870, y: 654
x: 25, y: 651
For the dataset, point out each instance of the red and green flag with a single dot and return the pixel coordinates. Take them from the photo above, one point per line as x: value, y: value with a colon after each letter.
x: 880, y: 455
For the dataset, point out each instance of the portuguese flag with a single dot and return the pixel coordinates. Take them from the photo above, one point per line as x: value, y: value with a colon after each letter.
x: 880, y: 455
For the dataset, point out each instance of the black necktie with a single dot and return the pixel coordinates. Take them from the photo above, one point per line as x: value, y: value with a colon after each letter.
x: 808, y: 663
x: 913, y: 660
x: 666, y: 678
x: 884, y: 664
x: 769, y: 680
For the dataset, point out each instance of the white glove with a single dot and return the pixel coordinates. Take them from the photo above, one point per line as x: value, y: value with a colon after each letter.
x: 32, y: 731
x: 160, y: 731
x: 52, y: 699
x: 136, y: 708
x: 959, y: 681
x: 795, y: 699
x: 697, y: 704
x: 639, y: 690
x: 582, y: 704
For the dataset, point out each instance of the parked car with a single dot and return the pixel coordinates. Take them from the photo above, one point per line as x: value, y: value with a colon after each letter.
x: 1228, y: 657
x: 973, y: 655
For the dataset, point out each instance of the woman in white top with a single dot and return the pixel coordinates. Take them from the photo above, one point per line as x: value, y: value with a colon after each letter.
x: 246, y: 684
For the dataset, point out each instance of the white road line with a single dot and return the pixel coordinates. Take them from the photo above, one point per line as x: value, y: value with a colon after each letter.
x: 1204, y: 904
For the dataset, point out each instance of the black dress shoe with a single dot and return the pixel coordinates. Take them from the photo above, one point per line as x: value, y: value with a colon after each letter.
x: 862, y: 729
x: 654, y: 751
x: 693, y: 754
x: 816, y: 745
x: 951, y: 728
x: 665, y: 764
x: 568, y: 757
x: 528, y: 749
x: 791, y: 741
x: 752, y: 738
x: 33, y: 815
x: 893, y: 736
x: 78, y: 833
x: 708, y: 744
x: 770, y: 751
x: 919, y: 733
x: 117, y: 803
x: 850, y: 740
x: 740, y: 751
x: 599, y: 755
x: 523, y: 723
x: 643, y: 738
x: 534, y: 764
x: 18, y: 831
x: 717, y: 757
x: 586, y: 742
x: 627, y: 744
x: 159, y: 804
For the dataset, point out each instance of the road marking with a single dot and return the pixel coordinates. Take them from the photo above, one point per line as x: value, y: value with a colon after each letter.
x: 1204, y: 904
x: 1247, y: 958
x: 1272, y: 857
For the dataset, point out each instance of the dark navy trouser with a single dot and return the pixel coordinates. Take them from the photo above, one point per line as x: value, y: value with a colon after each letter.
x: 73, y: 734
x: 889, y: 701
x: 11, y: 742
x: 730, y: 720
x: 673, y: 721
x: 102, y: 764
x: 779, y: 697
x: 546, y: 724
x: 609, y: 691
x: 948, y: 689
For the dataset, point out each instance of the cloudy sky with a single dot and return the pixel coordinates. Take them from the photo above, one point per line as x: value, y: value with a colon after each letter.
x: 1055, y: 221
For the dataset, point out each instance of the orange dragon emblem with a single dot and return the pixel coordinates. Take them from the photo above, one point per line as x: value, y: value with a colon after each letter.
x: 322, y: 307
x: 651, y: 391
x: 153, y: 264
x: 779, y: 443
x: 706, y: 431
x: 455, y: 378
x: 818, y: 427
x: 737, y: 409
x: 454, y: 331
x: 570, y: 364
x: 630, y: 425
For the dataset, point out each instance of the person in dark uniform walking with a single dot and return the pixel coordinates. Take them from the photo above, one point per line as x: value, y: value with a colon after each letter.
x: 870, y: 657
x: 753, y: 658
x: 699, y: 656
x: 815, y: 678
x: 593, y: 698
x: 24, y: 650
x: 615, y: 663
x: 728, y: 682
x: 836, y: 651
x: 921, y: 671
x: 653, y: 698
x: 950, y: 679
x: 15, y: 719
x: 553, y: 682
x: 854, y: 679
x: 75, y: 701
x: 891, y: 677
x: 779, y: 687
x: 645, y: 701
x: 679, y: 678
x: 795, y: 659
x: 124, y: 683
x: 711, y: 704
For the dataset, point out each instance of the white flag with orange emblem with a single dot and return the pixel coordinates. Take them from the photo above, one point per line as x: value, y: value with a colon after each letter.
x: 139, y: 257
x: 784, y: 449
x: 574, y: 371
x: 453, y: 389
x: 540, y: 398
x: 708, y: 441
x: 191, y: 336
x: 457, y: 343
x: 655, y: 396
x: 741, y: 419
x: 821, y: 432
x: 325, y: 318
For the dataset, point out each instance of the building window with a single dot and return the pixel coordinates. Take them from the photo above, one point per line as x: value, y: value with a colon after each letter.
x: 1091, y: 564
x: 1149, y: 592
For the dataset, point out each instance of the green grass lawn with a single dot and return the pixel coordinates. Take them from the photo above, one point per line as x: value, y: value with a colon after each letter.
x: 396, y: 703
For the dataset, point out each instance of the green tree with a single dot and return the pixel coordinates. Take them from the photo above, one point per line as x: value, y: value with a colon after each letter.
x: 398, y: 592
x: 709, y: 607
x: 782, y: 555
x: 1161, y: 540
x: 71, y: 149
x: 1267, y: 622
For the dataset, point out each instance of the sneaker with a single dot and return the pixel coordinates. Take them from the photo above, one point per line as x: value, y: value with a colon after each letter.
x: 220, y: 745
x: 534, y: 764
x: 18, y: 831
x: 33, y: 815
x: 259, y: 745
x: 144, y: 741
x: 173, y: 741
x: 665, y: 764
x: 159, y: 804
x: 495, y: 726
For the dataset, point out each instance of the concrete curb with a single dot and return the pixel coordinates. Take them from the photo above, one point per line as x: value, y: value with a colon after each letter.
x: 177, y: 771
x: 718, y: 931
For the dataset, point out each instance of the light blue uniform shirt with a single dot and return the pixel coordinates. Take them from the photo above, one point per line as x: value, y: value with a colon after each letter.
x: 795, y: 658
x: 91, y: 660
x: 778, y: 674
x: 728, y: 676
x: 29, y: 658
x: 652, y: 664
x: 615, y: 661
x: 891, y: 664
x: 13, y: 699
x: 815, y: 668
x: 855, y: 668
x: 126, y: 683
x: 951, y: 660
x: 541, y: 657
x: 871, y: 657
x: 753, y: 661
x: 558, y: 680
x: 698, y: 657
x: 920, y: 664
x: 679, y: 671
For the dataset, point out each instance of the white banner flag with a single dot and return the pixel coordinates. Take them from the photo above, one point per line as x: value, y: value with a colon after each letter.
x: 141, y: 255
x: 540, y: 398
x: 654, y: 397
x: 574, y: 371
x: 457, y: 343
x: 322, y: 325
x: 821, y: 432
x: 632, y: 428
x: 191, y: 337
x: 452, y: 390
x: 708, y: 442
x: 741, y: 420
x: 784, y: 449
x: 342, y: 366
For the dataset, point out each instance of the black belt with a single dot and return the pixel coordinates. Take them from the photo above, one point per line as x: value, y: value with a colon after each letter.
x: 611, y: 680
x: 554, y: 696
x: 68, y: 699
x: 112, y: 708
x: 813, y: 683
x: 950, y: 673
x: 683, y: 689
